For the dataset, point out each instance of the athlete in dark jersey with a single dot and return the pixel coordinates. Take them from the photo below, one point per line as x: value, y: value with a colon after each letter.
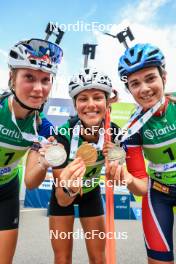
x: 90, y: 91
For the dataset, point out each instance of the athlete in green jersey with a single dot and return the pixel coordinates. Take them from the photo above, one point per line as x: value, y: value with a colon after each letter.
x: 152, y: 134
x: 33, y: 63
x: 90, y: 91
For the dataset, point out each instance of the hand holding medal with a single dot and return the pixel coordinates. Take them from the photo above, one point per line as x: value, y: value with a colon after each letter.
x: 72, y: 176
x: 117, y: 153
x: 54, y: 153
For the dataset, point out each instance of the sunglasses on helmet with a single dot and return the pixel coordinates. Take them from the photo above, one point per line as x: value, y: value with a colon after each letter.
x: 43, y: 49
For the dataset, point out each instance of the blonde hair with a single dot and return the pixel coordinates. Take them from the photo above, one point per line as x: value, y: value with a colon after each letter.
x: 12, y: 79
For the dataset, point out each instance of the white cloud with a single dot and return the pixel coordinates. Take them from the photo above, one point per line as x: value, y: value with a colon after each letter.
x: 141, y: 19
x: 144, y: 11
x: 4, y: 75
x: 90, y: 12
x: 3, y: 54
x: 60, y: 86
x: 109, y: 49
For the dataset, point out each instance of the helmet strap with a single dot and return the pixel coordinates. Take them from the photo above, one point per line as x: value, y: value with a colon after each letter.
x: 23, y: 105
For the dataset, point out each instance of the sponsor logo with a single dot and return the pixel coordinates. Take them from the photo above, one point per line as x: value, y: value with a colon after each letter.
x: 123, y: 199
x: 150, y: 134
x: 5, y: 170
x: 9, y: 132
x: 168, y: 166
x: 161, y: 188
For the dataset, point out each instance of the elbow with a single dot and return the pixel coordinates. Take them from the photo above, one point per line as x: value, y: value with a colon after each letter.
x: 29, y: 185
x: 144, y: 192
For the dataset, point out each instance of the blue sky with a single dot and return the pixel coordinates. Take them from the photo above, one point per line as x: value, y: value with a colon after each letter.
x: 150, y: 21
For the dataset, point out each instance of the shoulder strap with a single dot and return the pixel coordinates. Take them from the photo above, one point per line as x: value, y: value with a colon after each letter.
x: 4, y: 95
x: 72, y: 121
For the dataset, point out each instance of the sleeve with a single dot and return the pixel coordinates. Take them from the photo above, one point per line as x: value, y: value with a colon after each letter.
x: 134, y: 157
x: 46, y: 128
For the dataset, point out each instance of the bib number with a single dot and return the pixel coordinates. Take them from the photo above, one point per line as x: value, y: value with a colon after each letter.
x: 170, y: 153
x: 9, y: 157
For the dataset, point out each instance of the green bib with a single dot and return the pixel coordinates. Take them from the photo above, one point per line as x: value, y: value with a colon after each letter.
x: 159, y: 145
x: 12, y: 145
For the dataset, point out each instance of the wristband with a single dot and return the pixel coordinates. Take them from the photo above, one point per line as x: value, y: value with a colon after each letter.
x: 69, y: 192
x: 35, y: 146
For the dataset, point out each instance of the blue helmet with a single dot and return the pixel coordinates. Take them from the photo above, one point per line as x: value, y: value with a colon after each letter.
x: 138, y: 57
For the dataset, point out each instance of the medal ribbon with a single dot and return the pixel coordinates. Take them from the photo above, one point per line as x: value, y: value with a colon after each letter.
x: 130, y: 129
x: 28, y: 136
x: 110, y: 227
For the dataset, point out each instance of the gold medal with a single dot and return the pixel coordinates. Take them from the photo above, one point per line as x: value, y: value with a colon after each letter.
x: 88, y: 153
x: 117, y: 153
x: 55, y: 155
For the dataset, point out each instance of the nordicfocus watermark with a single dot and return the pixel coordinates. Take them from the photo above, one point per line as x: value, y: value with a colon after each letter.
x: 94, y: 130
x: 81, y: 25
x: 93, y: 234
x: 88, y: 183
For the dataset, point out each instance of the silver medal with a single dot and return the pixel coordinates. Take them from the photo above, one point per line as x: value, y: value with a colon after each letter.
x: 117, y: 153
x: 55, y: 155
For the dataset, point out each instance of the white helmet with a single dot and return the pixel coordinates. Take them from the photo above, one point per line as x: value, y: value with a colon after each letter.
x: 37, y: 54
x: 89, y: 79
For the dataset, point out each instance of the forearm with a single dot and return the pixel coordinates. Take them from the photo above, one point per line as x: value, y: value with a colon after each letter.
x: 35, y: 171
x: 34, y: 177
x: 138, y: 186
